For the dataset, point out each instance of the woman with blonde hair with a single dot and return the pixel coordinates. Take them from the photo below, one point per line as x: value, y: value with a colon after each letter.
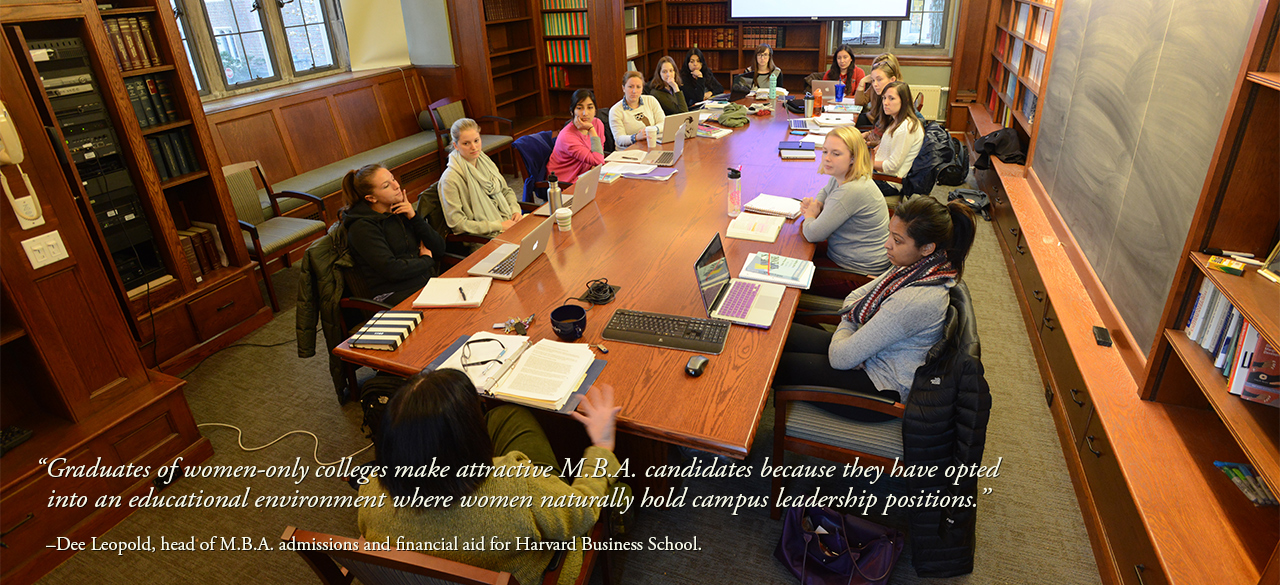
x: 393, y: 248
x: 634, y: 116
x: 473, y: 193
x: 849, y: 213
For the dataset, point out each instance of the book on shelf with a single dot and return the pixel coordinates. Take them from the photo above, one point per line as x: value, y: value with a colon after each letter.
x: 385, y: 330
x: 569, y: 51
x: 766, y: 204
x: 1024, y: 16
x: 766, y: 267
x: 1045, y: 28
x: 1227, y: 338
x: 504, y: 9
x: 148, y: 39
x: 633, y: 46
x: 210, y: 247
x: 630, y: 17
x: 157, y: 157
x: 189, y: 253
x: 152, y: 94
x: 755, y: 227
x: 564, y: 4
x: 565, y: 24
x: 216, y: 240
x: 1247, y: 344
x: 1262, y: 382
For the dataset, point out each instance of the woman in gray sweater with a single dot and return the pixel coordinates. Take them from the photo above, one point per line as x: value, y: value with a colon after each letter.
x: 849, y: 213
x: 889, y: 324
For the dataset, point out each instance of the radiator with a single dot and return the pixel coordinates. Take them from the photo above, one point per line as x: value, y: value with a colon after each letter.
x: 932, y: 99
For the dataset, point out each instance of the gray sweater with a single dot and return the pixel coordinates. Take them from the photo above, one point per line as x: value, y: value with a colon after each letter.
x: 855, y: 223
x: 894, y: 342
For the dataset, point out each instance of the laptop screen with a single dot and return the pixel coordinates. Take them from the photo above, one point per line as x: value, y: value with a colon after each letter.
x: 712, y: 271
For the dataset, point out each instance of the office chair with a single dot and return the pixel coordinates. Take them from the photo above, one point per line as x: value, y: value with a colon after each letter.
x: 275, y: 238
x: 341, y: 567
x: 444, y: 112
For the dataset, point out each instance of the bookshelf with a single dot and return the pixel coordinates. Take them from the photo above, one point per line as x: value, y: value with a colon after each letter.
x: 506, y: 79
x: 137, y: 92
x: 644, y: 26
x: 799, y: 46
x: 595, y: 58
x: 1021, y: 41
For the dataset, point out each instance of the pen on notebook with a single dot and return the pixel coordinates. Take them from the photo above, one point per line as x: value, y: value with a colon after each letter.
x: 464, y: 295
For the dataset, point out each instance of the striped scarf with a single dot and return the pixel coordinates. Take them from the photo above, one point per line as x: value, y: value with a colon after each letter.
x: 930, y: 270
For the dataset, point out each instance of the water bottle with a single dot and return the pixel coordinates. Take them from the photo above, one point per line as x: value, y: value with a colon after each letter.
x: 808, y: 105
x: 817, y: 101
x: 553, y: 192
x: 735, y: 192
x: 840, y: 89
x: 773, y: 86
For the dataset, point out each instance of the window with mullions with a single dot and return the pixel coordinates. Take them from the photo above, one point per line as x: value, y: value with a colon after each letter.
x: 244, y: 51
x: 925, y: 28
x: 862, y: 33
x: 180, y: 13
x: 307, y: 30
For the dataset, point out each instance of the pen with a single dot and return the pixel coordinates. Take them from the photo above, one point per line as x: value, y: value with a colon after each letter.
x: 464, y: 295
x: 496, y: 360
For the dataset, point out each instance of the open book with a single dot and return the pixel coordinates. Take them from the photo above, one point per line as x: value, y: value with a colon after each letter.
x: 542, y: 375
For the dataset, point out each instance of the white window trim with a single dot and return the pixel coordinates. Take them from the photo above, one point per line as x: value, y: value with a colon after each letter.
x: 889, y: 36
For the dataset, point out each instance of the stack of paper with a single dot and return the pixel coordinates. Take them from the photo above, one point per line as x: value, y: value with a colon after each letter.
x: 385, y: 330
x: 488, y: 356
x: 757, y: 228
x: 705, y: 131
x: 843, y: 108
x: 766, y: 204
x: 453, y: 292
x: 830, y: 119
x: 766, y: 267
x: 543, y: 375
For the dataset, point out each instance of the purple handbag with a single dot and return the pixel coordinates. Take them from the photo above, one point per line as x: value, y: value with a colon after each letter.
x: 824, y: 547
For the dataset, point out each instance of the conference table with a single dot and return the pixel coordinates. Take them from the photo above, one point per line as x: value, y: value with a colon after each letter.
x: 645, y: 237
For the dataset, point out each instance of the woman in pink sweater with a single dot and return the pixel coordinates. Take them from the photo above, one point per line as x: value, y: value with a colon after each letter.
x: 578, y: 147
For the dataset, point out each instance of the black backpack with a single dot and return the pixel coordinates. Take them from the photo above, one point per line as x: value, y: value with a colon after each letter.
x: 374, y: 396
x: 955, y: 170
x: 975, y: 199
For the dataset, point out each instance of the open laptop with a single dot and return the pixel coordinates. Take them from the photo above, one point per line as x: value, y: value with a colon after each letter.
x: 584, y: 192
x: 509, y: 259
x: 667, y: 158
x: 732, y: 299
x: 673, y: 123
x: 828, y: 89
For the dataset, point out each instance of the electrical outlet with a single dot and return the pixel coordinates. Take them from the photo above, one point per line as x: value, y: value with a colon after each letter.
x: 45, y: 249
x: 26, y: 206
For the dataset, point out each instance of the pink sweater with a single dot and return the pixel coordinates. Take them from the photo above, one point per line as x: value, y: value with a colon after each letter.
x: 573, y: 154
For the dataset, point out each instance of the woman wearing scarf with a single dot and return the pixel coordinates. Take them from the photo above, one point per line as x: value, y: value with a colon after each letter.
x: 890, y: 323
x: 475, y: 196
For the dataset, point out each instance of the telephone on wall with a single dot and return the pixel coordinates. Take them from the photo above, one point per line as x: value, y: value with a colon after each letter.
x: 28, y: 209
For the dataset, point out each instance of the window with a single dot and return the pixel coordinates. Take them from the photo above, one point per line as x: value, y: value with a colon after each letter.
x: 259, y: 43
x: 925, y: 30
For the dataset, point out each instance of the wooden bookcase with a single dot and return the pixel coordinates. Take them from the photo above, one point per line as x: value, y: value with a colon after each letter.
x: 600, y: 68
x: 649, y: 32
x: 166, y: 310
x: 1239, y: 209
x: 1019, y: 49
x: 505, y: 79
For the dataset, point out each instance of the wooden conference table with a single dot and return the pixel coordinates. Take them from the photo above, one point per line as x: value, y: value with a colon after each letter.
x: 645, y: 236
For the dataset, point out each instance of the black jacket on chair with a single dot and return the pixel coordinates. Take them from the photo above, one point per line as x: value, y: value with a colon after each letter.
x: 945, y: 425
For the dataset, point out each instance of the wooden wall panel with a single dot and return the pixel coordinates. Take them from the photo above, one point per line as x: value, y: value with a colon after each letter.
x: 361, y: 119
x: 400, y: 108
x: 256, y: 137
x: 81, y: 334
x: 314, y: 132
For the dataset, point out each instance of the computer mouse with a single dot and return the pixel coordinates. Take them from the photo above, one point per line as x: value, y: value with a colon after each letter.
x: 697, y: 364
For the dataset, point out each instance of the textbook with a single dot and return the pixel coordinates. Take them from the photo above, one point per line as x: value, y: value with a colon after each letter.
x: 754, y: 227
x: 830, y: 119
x: 766, y: 267
x: 842, y: 108
x: 453, y: 292
x: 766, y: 204
x: 385, y: 330
x: 705, y: 131
x: 797, y: 149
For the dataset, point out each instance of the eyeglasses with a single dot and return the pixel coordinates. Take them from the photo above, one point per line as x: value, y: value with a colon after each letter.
x: 467, y: 352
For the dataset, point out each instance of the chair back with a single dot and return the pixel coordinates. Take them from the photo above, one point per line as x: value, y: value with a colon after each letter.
x: 445, y: 112
x: 375, y: 567
x: 535, y: 153
x: 430, y: 208
x: 244, y: 191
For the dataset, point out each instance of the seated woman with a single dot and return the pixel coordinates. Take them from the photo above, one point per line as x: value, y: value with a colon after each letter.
x: 437, y: 419
x: 699, y: 81
x: 849, y: 213
x: 393, y: 248
x: 903, y: 135
x: 665, y: 86
x: 473, y: 193
x: 578, y: 147
x: 758, y: 75
x: 889, y: 324
x: 843, y: 70
x: 882, y: 74
x: 633, y: 115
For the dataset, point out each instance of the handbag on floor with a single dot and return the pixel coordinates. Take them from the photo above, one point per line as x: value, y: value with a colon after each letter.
x: 824, y: 547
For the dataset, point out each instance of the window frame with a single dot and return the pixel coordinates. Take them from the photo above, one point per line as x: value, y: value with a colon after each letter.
x: 180, y: 12
x: 328, y: 9
x: 263, y: 8
x: 891, y: 35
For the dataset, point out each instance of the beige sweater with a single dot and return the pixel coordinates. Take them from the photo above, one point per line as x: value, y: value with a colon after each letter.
x: 504, y: 524
x: 468, y: 211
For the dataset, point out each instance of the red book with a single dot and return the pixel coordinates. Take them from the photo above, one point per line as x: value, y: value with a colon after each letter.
x: 1263, y: 383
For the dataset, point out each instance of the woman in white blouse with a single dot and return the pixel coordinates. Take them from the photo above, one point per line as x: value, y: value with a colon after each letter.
x: 902, y: 139
x: 633, y: 115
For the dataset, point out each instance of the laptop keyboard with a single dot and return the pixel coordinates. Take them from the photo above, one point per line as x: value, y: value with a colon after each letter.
x: 667, y: 157
x: 738, y: 302
x: 670, y: 331
x: 507, y: 265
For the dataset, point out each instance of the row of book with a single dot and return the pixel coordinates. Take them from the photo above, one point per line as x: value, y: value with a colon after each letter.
x: 1020, y: 18
x: 152, y: 99
x: 706, y: 38
x: 1044, y: 27
x: 133, y: 40
x: 1035, y: 67
x: 203, y: 248
x: 698, y: 14
x: 565, y: 24
x: 1029, y: 103
x: 564, y: 4
x: 1244, y: 357
x: 385, y: 330
x: 173, y: 154
x: 505, y: 9
x: 558, y: 76
x: 753, y: 36
x: 576, y: 51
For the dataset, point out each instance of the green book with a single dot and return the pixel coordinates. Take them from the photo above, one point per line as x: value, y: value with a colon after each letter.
x: 162, y: 169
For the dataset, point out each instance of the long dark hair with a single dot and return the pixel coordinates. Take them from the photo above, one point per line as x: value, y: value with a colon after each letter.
x: 834, y: 71
x: 907, y: 109
x: 579, y: 95
x: 706, y: 71
x: 656, y: 82
x: 948, y: 227
x: 357, y: 183
x: 435, y: 419
x: 762, y: 47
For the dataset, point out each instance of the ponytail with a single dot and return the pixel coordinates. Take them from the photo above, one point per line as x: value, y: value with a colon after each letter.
x: 357, y: 183
x: 963, y: 229
x: 950, y: 227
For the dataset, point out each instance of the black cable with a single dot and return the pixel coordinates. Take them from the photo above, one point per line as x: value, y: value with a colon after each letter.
x: 598, y: 292
x: 206, y: 358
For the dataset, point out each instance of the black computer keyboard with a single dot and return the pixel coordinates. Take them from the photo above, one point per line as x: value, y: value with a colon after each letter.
x: 12, y: 437
x: 670, y: 331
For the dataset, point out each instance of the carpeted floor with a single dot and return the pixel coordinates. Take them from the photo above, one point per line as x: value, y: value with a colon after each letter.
x: 1029, y: 527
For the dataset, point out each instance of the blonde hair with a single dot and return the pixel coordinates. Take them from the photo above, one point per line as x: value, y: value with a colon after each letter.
x: 859, y: 157
x: 460, y: 126
x: 357, y: 183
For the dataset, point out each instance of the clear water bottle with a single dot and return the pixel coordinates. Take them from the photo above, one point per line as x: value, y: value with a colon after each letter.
x: 735, y: 192
x: 773, y: 87
x: 553, y: 192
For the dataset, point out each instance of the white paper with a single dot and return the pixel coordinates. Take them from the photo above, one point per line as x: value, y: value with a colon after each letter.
x: 626, y: 156
x: 485, y: 351
x: 468, y: 291
x: 814, y: 138
x: 549, y: 371
x: 628, y: 168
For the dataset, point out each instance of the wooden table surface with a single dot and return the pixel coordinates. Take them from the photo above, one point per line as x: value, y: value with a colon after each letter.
x: 645, y: 236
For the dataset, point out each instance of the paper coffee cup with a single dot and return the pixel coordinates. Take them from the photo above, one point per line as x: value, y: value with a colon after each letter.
x: 652, y: 132
x: 564, y: 219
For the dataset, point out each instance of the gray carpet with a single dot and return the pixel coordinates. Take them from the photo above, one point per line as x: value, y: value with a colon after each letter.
x: 1029, y: 527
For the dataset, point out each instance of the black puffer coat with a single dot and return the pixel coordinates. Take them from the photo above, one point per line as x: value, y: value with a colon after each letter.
x: 934, y: 152
x: 945, y: 425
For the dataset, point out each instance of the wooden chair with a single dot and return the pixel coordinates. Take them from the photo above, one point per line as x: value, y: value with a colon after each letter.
x: 275, y: 238
x: 341, y: 567
x: 444, y: 112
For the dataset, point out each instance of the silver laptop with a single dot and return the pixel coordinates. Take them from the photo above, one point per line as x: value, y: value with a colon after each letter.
x: 828, y: 89
x: 584, y: 192
x: 666, y: 158
x: 672, y: 124
x: 740, y: 301
x: 509, y: 259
